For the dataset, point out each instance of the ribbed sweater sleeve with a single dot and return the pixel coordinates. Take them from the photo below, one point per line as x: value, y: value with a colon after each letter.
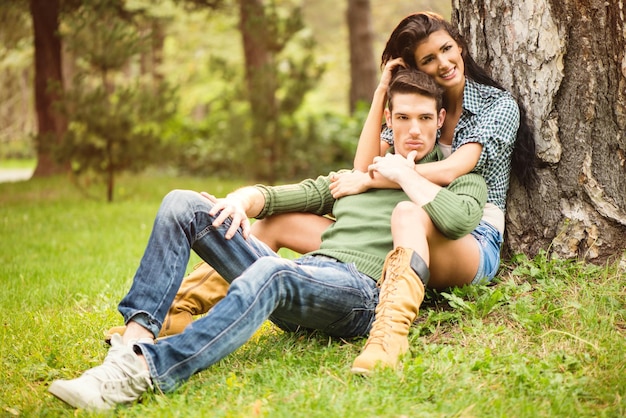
x: 458, y: 208
x: 311, y: 195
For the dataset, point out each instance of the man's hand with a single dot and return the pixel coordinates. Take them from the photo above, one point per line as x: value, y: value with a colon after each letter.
x: 346, y: 184
x: 232, y: 207
x: 393, y: 167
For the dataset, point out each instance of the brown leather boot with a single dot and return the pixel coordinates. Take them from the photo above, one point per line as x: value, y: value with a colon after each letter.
x: 401, y: 294
x: 198, y: 293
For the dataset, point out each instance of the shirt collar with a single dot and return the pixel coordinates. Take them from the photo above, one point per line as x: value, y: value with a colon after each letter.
x: 434, y: 155
x: 475, y: 95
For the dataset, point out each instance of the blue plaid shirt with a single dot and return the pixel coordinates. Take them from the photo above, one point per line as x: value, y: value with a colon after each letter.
x: 491, y: 118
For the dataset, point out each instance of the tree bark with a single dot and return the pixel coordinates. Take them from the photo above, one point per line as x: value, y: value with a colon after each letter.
x: 363, y: 69
x: 51, y: 124
x: 261, y: 83
x: 566, y: 61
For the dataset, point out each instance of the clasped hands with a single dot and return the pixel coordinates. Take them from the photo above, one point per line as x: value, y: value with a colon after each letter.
x: 391, y: 167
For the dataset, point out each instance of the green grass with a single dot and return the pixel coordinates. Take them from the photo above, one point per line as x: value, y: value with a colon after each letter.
x: 548, y: 340
x: 17, y: 163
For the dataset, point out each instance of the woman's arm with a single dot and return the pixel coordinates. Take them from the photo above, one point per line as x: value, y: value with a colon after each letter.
x: 461, y: 161
x: 369, y: 141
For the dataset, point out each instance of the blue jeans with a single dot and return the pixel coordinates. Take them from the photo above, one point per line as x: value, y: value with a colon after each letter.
x: 489, y: 241
x: 312, y: 292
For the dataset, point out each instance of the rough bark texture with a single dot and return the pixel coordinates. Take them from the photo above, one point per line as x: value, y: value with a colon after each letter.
x: 363, y: 70
x: 262, y: 84
x: 258, y: 57
x: 51, y: 124
x: 566, y: 61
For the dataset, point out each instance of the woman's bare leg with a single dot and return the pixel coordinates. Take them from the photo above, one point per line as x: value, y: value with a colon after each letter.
x: 300, y: 232
x: 451, y: 262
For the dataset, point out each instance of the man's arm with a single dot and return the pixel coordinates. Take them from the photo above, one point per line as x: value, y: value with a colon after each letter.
x: 458, y: 208
x: 311, y: 195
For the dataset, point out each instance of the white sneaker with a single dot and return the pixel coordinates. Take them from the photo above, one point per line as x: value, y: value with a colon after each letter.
x: 120, y: 379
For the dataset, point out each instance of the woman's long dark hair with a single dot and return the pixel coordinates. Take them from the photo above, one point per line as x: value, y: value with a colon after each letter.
x: 413, y: 30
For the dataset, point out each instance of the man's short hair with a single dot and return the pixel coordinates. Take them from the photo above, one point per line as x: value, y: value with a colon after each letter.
x: 412, y: 81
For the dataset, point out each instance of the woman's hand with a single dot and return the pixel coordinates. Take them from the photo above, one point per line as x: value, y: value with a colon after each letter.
x: 233, y: 207
x: 390, y: 67
x: 349, y: 183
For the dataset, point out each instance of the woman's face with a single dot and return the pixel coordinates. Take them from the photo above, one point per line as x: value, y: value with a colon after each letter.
x: 439, y: 56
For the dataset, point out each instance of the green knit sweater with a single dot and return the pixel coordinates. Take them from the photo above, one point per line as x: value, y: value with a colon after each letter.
x: 361, y: 233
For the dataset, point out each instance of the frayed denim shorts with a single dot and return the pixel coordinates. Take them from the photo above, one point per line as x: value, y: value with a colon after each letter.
x: 489, y: 241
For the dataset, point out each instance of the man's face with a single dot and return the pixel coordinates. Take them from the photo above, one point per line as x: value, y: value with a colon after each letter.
x: 414, y: 121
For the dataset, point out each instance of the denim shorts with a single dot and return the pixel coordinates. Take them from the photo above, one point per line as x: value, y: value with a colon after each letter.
x: 489, y: 241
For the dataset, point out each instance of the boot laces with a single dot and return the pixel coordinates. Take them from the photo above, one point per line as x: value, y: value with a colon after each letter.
x: 380, y: 329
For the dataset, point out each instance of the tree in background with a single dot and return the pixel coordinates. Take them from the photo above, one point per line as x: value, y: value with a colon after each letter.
x: 276, y: 83
x: 363, y: 68
x: 17, y: 113
x: 51, y: 123
x: 117, y: 114
x: 566, y: 60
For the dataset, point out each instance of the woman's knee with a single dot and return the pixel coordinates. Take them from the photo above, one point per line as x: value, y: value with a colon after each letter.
x: 408, y: 214
x: 265, y: 230
x: 300, y: 232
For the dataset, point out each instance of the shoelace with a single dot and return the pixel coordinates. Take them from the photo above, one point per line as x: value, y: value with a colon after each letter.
x: 121, y: 375
x: 122, y: 379
x: 379, y: 329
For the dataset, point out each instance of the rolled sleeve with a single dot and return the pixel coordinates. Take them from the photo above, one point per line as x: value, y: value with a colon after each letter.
x: 457, y: 209
x: 311, y: 195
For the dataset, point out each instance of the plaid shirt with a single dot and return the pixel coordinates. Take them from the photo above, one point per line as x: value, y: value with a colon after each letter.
x: 491, y: 118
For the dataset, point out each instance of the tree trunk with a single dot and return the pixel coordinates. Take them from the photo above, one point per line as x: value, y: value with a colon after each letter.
x: 363, y: 69
x: 566, y: 61
x: 51, y: 124
x: 262, y: 84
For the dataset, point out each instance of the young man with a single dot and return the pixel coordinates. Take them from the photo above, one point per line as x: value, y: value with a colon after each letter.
x: 332, y: 289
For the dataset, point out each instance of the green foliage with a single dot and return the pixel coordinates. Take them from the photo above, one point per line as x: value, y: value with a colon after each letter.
x: 288, y: 143
x: 317, y: 144
x: 111, y: 133
x: 546, y: 340
x: 16, y: 72
x: 114, y: 124
x: 103, y: 36
x: 277, y: 88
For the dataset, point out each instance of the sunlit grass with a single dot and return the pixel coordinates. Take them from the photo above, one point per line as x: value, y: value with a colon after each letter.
x: 17, y: 163
x: 549, y: 339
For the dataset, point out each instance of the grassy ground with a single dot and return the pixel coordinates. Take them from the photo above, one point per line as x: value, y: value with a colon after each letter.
x: 548, y: 340
x: 17, y: 163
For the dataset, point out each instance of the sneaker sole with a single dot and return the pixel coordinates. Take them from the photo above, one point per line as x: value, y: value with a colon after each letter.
x: 58, y: 390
